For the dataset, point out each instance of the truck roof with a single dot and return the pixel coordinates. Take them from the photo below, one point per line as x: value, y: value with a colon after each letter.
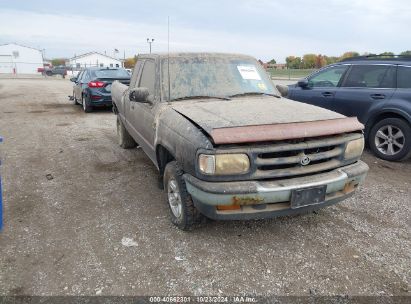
x: 194, y: 54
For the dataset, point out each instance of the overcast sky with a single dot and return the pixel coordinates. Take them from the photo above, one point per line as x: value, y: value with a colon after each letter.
x: 261, y: 28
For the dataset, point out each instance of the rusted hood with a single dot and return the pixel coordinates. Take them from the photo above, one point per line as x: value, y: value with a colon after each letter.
x: 262, y: 119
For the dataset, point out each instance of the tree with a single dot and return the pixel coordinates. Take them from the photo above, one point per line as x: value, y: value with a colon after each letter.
x: 293, y: 62
x: 272, y: 61
x: 129, y: 63
x: 320, y: 61
x: 331, y: 59
x: 58, y: 61
x: 349, y: 55
x: 309, y: 61
x: 406, y: 53
x: 387, y: 54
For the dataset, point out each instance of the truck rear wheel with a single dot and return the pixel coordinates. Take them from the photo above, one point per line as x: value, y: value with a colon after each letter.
x: 124, y: 138
x: 182, y: 210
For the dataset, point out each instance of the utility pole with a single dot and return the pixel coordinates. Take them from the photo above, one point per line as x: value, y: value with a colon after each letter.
x: 150, y: 41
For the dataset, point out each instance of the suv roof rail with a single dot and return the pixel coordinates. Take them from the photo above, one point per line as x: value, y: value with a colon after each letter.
x: 379, y: 57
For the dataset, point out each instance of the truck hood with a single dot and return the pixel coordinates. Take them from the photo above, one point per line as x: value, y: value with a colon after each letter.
x: 261, y: 118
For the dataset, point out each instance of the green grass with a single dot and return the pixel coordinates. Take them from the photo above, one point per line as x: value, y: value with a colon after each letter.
x: 291, y: 73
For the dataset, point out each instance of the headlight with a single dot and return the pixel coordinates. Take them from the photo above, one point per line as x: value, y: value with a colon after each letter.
x: 223, y: 164
x: 354, y: 148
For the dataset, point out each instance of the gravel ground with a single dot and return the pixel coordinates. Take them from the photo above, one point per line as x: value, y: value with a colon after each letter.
x: 84, y: 217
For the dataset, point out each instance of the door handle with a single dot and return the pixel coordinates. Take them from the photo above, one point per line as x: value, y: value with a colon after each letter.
x: 327, y: 94
x: 377, y: 96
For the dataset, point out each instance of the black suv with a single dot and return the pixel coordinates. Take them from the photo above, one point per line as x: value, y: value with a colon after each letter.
x: 375, y: 89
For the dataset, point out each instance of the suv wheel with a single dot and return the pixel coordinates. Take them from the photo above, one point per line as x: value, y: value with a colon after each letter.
x: 390, y: 139
x: 182, y: 210
x: 86, y: 106
x: 124, y: 138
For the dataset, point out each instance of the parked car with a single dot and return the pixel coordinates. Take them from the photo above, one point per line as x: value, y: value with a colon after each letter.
x: 58, y: 70
x: 376, y: 90
x: 92, y: 86
x: 227, y: 146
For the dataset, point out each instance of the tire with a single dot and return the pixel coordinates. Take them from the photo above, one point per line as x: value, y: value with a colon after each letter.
x: 75, y: 101
x: 124, y: 138
x: 49, y: 73
x: 86, y: 106
x: 182, y: 210
x: 390, y: 139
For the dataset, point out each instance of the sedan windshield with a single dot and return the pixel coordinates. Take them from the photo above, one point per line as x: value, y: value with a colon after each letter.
x: 214, y: 76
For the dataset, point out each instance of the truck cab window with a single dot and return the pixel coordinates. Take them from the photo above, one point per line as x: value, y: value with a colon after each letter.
x: 148, y: 76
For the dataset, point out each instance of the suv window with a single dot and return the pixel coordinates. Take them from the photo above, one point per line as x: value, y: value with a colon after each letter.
x: 404, y: 77
x: 147, y: 79
x: 371, y: 76
x: 329, y: 77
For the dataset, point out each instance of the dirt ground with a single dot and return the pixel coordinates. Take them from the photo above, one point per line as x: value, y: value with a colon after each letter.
x: 84, y: 217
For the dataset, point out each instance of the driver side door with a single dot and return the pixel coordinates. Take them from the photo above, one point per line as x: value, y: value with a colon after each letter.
x: 141, y: 115
x: 322, y: 87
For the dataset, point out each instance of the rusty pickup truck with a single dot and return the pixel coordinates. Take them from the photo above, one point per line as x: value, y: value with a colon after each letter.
x: 227, y: 146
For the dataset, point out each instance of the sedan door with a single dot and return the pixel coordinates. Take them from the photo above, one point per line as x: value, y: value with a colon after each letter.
x: 77, y: 86
x: 365, y: 89
x: 322, y: 87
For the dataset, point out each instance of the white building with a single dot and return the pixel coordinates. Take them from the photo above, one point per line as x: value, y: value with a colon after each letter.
x: 93, y: 59
x: 19, y: 59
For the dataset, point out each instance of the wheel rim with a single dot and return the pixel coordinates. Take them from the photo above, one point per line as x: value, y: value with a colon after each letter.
x: 84, y: 103
x: 389, y: 140
x: 174, y: 197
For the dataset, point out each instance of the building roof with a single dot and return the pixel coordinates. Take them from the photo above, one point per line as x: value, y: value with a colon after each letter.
x: 25, y: 46
x: 90, y: 53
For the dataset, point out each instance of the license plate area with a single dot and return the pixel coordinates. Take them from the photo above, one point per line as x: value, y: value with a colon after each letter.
x: 308, y: 196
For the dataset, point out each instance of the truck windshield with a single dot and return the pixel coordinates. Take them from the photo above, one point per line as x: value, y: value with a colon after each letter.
x: 222, y: 76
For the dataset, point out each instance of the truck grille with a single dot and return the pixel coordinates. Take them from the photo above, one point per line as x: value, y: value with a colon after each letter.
x: 289, y: 159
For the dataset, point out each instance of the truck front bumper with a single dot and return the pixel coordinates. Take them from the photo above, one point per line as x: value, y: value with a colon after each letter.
x: 271, y: 198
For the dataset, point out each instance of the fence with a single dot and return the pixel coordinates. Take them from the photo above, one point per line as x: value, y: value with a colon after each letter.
x: 290, y: 73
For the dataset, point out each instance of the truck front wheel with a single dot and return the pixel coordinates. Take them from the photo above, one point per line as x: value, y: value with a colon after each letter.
x: 182, y: 210
x: 124, y: 138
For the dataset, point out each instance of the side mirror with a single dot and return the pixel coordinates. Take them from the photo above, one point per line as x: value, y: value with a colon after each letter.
x: 73, y: 79
x: 303, y: 83
x: 283, y: 89
x: 139, y: 95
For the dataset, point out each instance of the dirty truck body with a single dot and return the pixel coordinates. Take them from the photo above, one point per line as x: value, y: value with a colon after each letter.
x: 237, y: 150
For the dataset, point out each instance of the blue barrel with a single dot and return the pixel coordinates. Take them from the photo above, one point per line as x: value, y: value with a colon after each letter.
x: 1, y: 198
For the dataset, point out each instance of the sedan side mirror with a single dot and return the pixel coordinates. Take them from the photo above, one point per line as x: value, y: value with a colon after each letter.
x: 73, y: 79
x: 303, y: 83
x: 139, y: 95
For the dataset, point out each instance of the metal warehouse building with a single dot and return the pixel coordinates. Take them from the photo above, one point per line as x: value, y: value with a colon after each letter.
x: 94, y: 59
x: 19, y: 59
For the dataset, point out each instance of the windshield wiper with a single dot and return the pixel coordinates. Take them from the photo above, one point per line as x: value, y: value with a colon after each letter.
x: 200, y: 97
x: 254, y: 93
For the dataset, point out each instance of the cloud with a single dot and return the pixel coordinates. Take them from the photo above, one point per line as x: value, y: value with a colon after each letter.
x: 264, y: 29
